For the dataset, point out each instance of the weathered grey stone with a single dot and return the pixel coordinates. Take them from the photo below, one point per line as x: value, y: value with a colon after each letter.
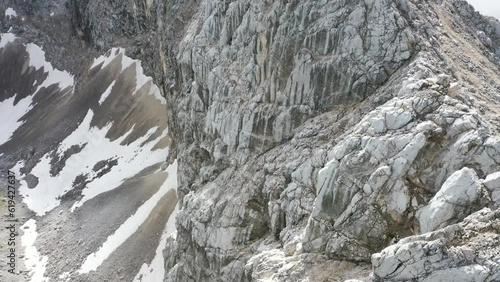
x: 459, y: 192
x: 315, y: 127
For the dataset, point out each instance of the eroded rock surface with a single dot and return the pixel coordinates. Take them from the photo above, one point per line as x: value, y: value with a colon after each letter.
x: 467, y: 251
x: 300, y: 125
x: 318, y: 139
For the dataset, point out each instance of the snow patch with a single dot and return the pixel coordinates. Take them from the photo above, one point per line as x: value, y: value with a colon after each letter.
x: 125, y: 61
x: 114, y: 53
x: 131, y: 158
x: 11, y: 114
x: 143, y: 79
x: 106, y: 93
x: 17, y: 168
x: 34, y: 261
x: 10, y: 13
x: 131, y: 225
x: 7, y: 38
x: 66, y: 276
x: 170, y: 229
x: 37, y: 60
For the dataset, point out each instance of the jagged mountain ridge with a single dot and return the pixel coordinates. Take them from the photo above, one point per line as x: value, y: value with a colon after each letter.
x: 311, y: 133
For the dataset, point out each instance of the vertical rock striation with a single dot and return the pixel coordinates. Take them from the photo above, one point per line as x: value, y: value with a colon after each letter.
x: 313, y: 134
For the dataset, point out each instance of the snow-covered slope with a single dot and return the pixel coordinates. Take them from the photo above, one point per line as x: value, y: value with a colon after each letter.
x: 106, y: 140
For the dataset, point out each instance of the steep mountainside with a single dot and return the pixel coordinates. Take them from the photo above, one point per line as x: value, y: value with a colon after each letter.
x: 90, y: 164
x: 318, y: 140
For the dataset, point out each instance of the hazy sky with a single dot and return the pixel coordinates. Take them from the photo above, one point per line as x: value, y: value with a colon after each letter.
x: 487, y: 7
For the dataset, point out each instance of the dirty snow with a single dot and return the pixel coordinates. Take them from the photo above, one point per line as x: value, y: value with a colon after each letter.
x: 114, y: 53
x: 11, y: 114
x: 125, y: 61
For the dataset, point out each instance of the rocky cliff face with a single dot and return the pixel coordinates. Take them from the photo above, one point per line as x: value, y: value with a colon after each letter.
x: 317, y: 132
x: 322, y: 140
x: 321, y: 131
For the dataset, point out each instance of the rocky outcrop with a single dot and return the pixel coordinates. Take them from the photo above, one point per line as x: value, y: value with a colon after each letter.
x: 253, y: 73
x: 325, y: 142
x: 467, y: 251
x: 460, y: 191
x: 379, y: 176
x: 487, y: 28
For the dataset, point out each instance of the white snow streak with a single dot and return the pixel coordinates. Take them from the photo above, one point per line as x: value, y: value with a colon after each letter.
x: 131, y: 225
x: 98, y: 148
x: 10, y: 13
x: 114, y: 52
x: 37, y: 60
x: 141, y: 79
x: 35, y: 262
x: 106, y: 93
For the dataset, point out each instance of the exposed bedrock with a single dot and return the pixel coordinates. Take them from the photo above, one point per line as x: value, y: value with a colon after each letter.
x: 311, y: 135
x: 467, y: 251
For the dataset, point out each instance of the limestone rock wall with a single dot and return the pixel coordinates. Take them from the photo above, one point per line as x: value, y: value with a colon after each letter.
x: 313, y: 134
